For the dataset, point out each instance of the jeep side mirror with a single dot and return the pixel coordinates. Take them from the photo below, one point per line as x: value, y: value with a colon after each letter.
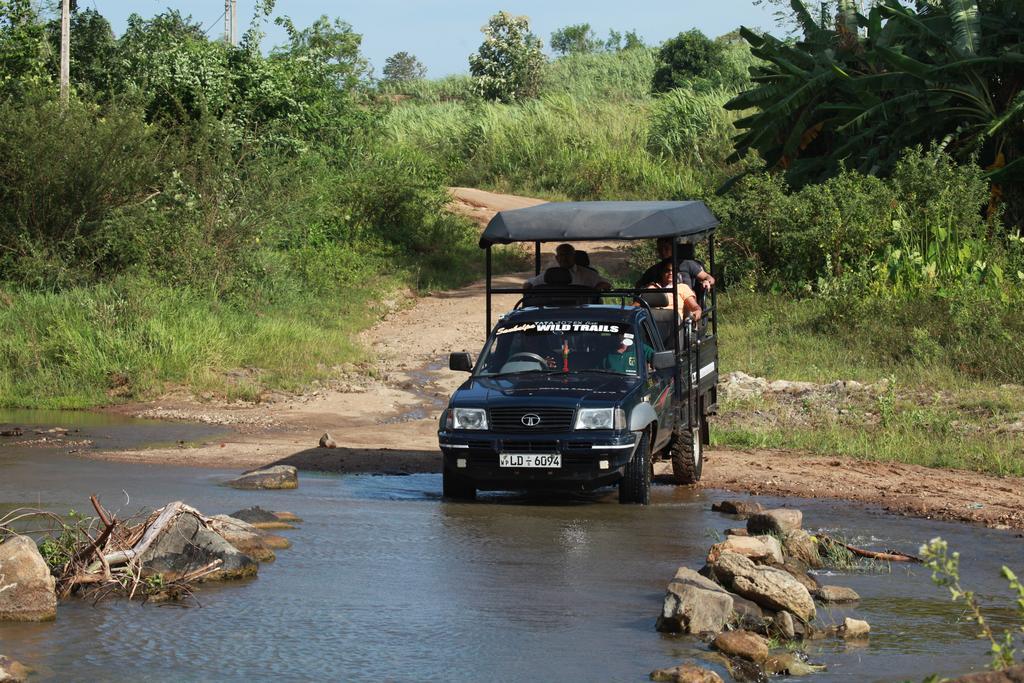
x: 663, y: 360
x: 461, y: 361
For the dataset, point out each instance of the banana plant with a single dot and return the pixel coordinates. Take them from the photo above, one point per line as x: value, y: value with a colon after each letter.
x: 943, y: 72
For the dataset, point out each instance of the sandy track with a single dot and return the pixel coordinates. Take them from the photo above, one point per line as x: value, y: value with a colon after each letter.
x: 389, y: 423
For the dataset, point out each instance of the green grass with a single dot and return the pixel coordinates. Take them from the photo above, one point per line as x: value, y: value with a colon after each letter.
x: 133, y: 338
x: 934, y: 415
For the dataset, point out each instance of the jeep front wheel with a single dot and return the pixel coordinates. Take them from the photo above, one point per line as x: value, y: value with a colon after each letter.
x: 687, y: 457
x: 635, y: 486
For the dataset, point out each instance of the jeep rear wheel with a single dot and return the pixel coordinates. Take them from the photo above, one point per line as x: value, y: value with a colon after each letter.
x: 455, y: 487
x: 635, y: 486
x: 687, y: 456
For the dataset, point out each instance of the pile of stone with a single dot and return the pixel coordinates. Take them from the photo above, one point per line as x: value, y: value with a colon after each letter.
x: 162, y: 557
x: 739, y: 385
x: 755, y: 586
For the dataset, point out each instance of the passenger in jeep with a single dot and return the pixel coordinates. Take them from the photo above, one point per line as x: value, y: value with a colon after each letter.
x: 622, y: 357
x: 687, y: 298
x: 690, y: 271
x: 565, y: 257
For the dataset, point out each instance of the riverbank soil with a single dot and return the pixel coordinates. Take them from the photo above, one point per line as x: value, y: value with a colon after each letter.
x: 383, y: 415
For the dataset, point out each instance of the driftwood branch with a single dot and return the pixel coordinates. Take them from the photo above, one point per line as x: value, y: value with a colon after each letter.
x: 152, y: 532
x: 890, y: 556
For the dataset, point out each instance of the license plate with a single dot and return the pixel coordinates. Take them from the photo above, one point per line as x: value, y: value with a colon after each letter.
x: 542, y: 460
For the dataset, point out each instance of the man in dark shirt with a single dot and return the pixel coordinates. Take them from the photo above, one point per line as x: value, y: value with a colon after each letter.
x: 689, y: 272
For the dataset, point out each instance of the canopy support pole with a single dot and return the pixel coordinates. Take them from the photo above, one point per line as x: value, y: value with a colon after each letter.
x: 536, y: 258
x: 488, y: 286
x: 714, y: 290
x: 675, y: 321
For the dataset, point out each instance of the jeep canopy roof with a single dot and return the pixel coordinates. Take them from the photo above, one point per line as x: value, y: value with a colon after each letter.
x: 580, y: 221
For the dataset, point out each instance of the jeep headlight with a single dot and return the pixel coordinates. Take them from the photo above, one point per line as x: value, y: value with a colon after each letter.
x: 600, y: 418
x: 469, y: 418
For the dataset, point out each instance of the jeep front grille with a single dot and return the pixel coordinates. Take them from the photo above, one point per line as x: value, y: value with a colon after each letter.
x: 531, y: 419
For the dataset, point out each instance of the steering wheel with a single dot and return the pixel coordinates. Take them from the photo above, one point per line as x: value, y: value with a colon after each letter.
x: 527, y: 355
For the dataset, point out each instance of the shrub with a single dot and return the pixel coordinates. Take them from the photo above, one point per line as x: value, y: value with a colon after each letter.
x: 687, y: 57
x: 507, y: 65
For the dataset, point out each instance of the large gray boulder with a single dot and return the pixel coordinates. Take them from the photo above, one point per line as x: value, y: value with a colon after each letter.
x: 769, y: 587
x: 274, y: 477
x: 187, y: 546
x: 244, y: 536
x: 694, y: 604
x: 779, y: 521
x: 12, y: 671
x: 27, y: 589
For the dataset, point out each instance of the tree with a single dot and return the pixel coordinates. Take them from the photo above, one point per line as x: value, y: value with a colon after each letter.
x: 857, y: 93
x: 22, y: 48
x: 685, y: 58
x: 403, y: 66
x: 507, y: 66
x: 633, y: 41
x: 576, y: 39
x: 93, y: 50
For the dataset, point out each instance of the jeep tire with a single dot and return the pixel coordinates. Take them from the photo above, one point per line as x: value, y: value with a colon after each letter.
x: 687, y: 451
x: 635, y: 485
x: 456, y: 487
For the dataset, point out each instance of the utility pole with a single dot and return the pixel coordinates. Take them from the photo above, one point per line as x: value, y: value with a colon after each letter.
x: 231, y: 22
x: 65, y: 52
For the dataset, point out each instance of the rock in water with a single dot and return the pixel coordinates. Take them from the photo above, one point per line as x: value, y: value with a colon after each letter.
x: 769, y: 587
x: 327, y: 442
x: 261, y: 519
x: 12, y: 671
x: 779, y: 521
x: 27, y: 589
x: 187, y: 546
x: 685, y: 673
x: 800, y: 545
x: 694, y: 604
x: 737, y: 507
x: 274, y: 477
x: 244, y: 536
x: 742, y: 644
x: 762, y: 549
x: 836, y: 594
x: 854, y: 628
x: 287, y: 516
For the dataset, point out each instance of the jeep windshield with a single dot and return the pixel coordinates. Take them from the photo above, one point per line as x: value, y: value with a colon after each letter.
x: 562, y: 347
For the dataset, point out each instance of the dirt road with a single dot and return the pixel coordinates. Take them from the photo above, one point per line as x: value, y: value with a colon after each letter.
x: 387, y: 422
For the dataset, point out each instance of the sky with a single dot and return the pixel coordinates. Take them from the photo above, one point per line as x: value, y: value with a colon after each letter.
x: 443, y: 33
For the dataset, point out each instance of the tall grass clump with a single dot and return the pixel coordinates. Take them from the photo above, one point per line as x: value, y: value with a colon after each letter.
x: 692, y: 126
x: 608, y: 76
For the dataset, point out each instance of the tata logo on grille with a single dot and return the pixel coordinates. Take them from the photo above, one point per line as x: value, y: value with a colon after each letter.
x: 530, y: 419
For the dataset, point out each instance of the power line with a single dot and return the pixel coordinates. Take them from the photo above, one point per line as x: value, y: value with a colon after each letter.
x: 214, y: 23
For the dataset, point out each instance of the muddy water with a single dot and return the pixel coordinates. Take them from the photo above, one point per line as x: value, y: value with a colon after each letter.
x: 387, y: 582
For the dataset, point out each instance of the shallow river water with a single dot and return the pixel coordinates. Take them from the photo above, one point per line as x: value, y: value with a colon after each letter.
x: 385, y: 581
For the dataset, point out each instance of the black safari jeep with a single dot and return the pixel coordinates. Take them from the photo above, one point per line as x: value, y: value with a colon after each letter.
x: 577, y: 389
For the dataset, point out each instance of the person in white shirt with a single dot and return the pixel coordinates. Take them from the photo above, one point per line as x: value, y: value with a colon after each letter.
x: 565, y: 256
